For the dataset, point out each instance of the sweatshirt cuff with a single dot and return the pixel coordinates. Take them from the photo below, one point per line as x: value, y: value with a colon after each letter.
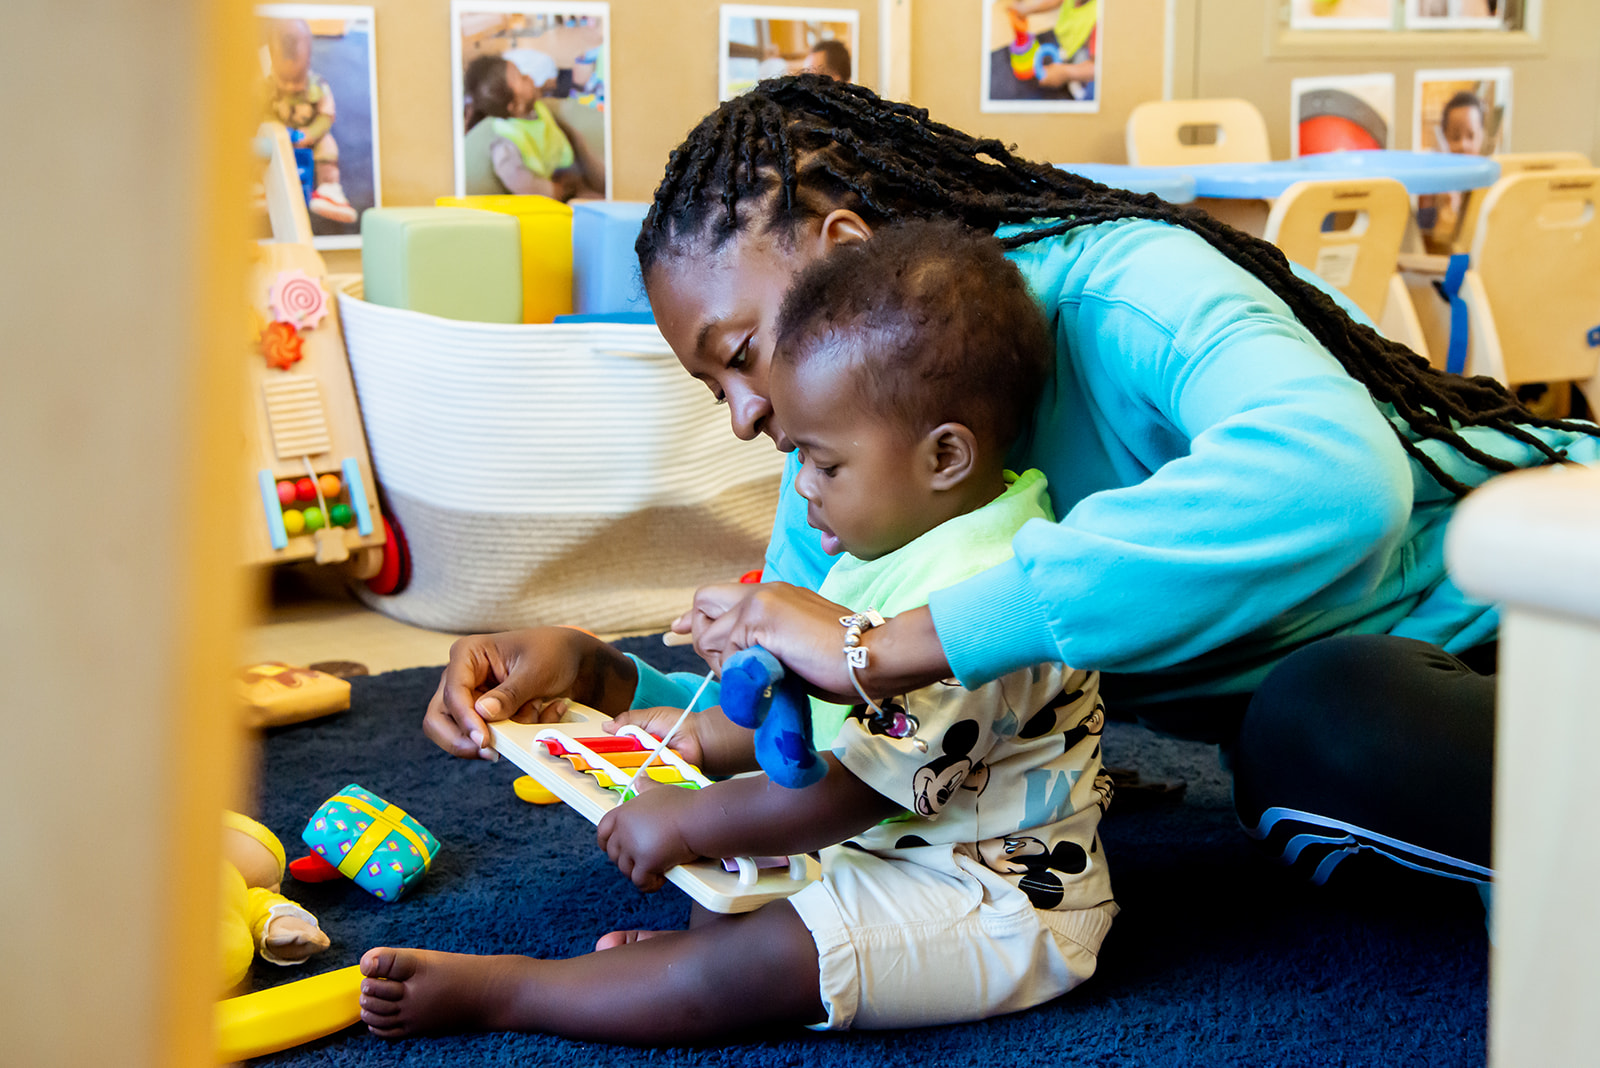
x: 658, y: 690
x: 992, y: 624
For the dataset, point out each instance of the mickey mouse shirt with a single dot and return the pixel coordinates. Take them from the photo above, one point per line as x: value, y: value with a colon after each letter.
x: 1009, y: 773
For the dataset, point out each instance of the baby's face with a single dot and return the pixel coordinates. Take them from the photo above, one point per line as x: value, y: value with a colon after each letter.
x: 1463, y: 130
x: 524, y: 90
x: 290, y: 49
x: 862, y: 474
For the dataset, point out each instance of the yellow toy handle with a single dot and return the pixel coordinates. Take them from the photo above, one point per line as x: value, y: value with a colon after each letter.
x: 267, y: 1021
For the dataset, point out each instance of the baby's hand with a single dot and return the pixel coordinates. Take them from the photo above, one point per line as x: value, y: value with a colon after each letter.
x: 658, y: 721
x: 644, y: 837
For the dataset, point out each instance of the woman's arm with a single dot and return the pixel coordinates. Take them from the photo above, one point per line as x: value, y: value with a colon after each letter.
x: 515, y: 175
x: 1236, y: 478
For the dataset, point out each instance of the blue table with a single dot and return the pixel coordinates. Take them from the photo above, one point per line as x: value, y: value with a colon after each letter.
x: 1238, y: 193
x: 1172, y: 184
x: 1419, y: 172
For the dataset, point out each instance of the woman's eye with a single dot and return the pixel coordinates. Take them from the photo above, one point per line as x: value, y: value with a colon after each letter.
x: 827, y: 472
x: 741, y: 356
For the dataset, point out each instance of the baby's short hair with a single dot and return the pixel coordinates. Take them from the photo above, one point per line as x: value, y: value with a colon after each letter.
x: 937, y: 325
x: 1466, y: 98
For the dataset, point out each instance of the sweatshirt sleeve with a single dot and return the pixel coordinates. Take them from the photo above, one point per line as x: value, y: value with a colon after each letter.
x: 1255, y: 478
x: 657, y: 689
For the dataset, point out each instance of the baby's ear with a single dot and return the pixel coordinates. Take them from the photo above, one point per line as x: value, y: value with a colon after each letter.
x: 952, y: 450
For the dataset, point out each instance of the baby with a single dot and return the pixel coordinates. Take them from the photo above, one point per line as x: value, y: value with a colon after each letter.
x: 301, y: 99
x: 962, y: 870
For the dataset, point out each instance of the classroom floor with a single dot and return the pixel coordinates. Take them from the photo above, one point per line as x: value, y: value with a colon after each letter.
x: 307, y: 619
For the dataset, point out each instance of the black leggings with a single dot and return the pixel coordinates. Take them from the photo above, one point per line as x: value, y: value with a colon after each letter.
x: 1368, y: 743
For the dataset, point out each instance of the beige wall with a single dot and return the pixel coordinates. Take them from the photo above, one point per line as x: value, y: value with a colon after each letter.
x: 120, y: 592
x: 664, y: 60
x: 1242, y: 48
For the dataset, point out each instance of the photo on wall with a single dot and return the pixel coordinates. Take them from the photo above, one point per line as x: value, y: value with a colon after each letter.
x: 318, y: 78
x: 1455, y: 14
x: 1333, y: 114
x: 530, y: 82
x: 766, y: 42
x: 1341, y: 14
x: 1467, y: 111
x: 1462, y: 111
x: 1040, y: 55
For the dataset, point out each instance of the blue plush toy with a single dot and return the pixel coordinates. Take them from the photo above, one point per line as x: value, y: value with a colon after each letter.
x: 756, y: 693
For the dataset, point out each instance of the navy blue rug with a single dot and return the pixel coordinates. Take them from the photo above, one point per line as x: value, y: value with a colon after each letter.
x: 1219, y: 956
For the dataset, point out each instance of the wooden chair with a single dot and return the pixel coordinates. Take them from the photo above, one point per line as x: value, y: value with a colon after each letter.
x: 1156, y: 133
x: 1511, y: 163
x: 1532, y: 290
x: 1358, y: 259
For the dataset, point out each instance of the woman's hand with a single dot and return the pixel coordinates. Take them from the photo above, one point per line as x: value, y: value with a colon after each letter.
x: 522, y: 675
x: 801, y: 628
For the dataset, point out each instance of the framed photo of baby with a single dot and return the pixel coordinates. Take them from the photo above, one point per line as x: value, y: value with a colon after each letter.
x: 1466, y: 111
x: 318, y: 78
x: 532, y: 94
x: 1040, y: 55
x: 758, y: 42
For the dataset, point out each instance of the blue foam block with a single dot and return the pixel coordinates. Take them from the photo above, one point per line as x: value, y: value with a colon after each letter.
x: 605, y: 271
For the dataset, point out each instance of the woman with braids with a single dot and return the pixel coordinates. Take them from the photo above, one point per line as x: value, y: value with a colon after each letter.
x: 1251, y: 484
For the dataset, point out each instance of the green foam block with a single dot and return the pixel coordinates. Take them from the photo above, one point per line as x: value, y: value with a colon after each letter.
x: 452, y: 262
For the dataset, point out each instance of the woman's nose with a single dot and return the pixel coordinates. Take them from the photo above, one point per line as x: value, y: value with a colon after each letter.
x: 749, y: 413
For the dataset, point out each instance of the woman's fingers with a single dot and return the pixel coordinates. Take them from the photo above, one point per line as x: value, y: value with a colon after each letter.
x: 798, y: 626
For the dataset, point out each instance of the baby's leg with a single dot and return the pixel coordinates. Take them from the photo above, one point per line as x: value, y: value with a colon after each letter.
x: 698, y: 915
x: 718, y: 978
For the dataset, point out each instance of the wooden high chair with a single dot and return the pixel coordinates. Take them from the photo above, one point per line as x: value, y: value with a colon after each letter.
x: 1511, y: 163
x: 1532, y: 289
x: 1155, y: 133
x: 1359, y: 259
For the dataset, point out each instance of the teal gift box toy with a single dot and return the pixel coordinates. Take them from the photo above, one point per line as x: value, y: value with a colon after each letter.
x: 370, y: 841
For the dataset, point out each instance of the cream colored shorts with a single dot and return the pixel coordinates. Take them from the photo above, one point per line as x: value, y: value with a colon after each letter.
x: 901, y: 944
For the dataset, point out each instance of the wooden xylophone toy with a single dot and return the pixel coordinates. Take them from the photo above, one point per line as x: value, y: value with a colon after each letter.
x: 576, y: 760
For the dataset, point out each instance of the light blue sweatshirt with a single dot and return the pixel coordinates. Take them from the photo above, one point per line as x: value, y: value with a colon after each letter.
x: 1227, y: 492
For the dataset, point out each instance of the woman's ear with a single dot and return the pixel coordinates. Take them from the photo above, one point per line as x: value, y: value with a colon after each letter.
x: 842, y: 226
x: 952, y: 451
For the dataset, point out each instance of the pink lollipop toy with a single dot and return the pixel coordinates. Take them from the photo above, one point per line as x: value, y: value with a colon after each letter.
x: 295, y: 297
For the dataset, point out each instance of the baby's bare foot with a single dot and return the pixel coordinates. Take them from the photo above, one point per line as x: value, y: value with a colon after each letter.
x: 623, y: 938
x: 418, y: 991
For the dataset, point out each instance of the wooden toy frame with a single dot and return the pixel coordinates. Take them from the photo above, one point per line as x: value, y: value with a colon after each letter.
x: 706, y: 881
x: 305, y: 422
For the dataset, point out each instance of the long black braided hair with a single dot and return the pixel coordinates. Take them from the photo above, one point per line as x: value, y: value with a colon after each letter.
x: 800, y: 146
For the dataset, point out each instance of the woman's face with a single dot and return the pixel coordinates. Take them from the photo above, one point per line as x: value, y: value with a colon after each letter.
x: 719, y: 312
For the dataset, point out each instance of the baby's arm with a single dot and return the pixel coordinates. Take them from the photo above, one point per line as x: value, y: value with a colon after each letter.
x: 515, y: 175
x: 752, y: 816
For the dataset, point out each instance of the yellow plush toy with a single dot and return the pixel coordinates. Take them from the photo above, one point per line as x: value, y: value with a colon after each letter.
x: 255, y: 917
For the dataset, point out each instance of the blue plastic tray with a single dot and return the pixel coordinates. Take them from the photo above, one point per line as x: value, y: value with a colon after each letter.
x: 1171, y: 184
x: 1419, y: 172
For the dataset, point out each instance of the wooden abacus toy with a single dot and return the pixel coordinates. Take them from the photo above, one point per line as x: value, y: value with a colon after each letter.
x: 591, y: 771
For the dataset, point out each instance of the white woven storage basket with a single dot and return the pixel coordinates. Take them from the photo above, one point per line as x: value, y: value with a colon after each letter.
x: 568, y: 474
